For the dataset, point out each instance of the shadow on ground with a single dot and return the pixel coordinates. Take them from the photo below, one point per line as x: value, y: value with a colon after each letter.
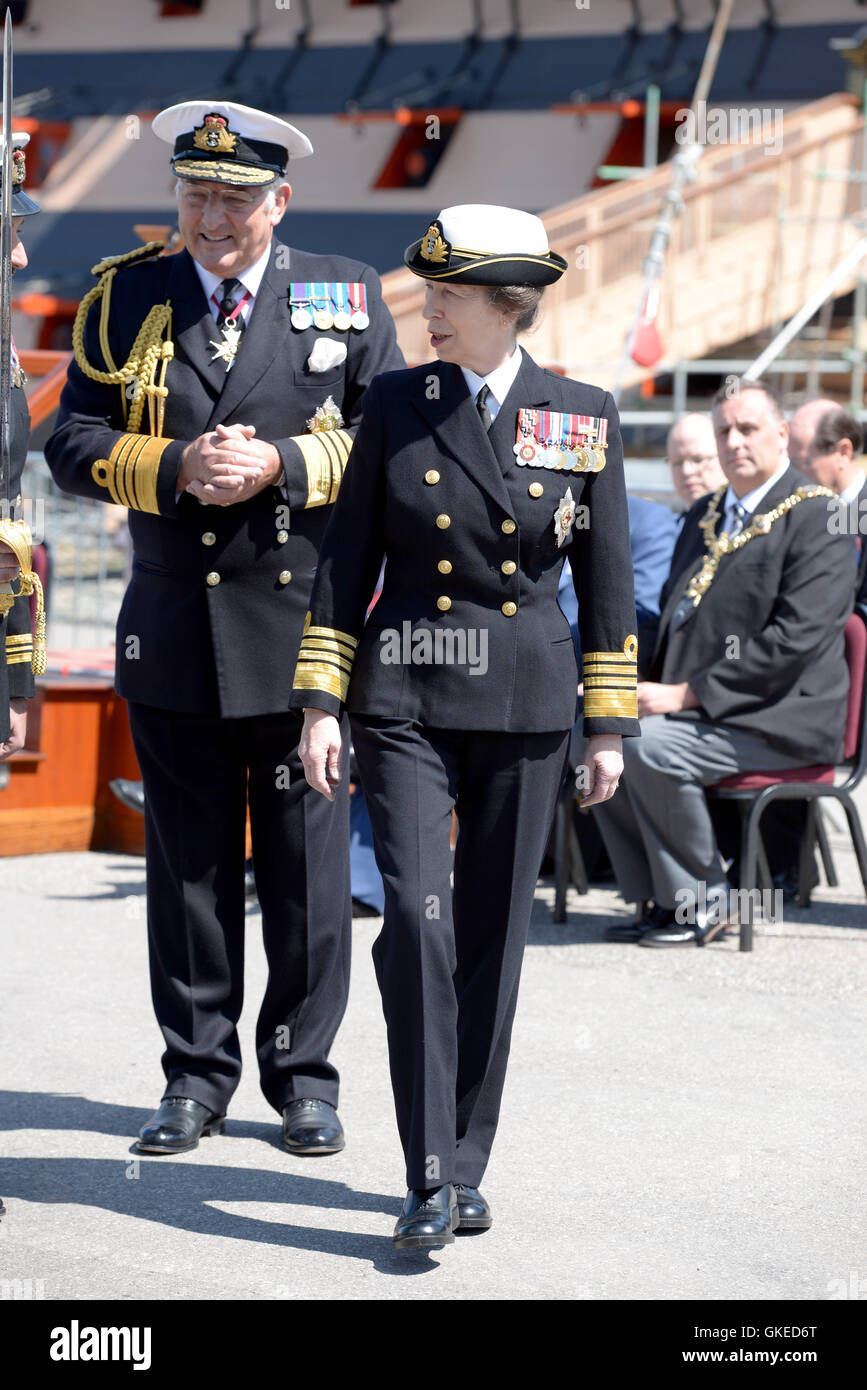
x: 184, y: 1193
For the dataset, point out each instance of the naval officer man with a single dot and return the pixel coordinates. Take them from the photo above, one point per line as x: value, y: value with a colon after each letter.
x: 216, y: 393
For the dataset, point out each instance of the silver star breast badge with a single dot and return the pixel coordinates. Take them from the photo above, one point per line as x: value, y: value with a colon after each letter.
x: 228, y: 347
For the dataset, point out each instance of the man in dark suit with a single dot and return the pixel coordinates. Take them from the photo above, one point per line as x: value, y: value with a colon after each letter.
x: 832, y: 461
x: 252, y: 361
x: 691, y: 454
x: 824, y: 442
x: 744, y: 669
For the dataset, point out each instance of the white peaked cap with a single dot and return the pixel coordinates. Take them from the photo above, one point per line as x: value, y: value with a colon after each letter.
x: 246, y: 122
x: 494, y: 230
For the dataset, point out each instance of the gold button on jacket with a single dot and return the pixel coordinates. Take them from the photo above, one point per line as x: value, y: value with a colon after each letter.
x: 507, y: 526
x: 510, y: 609
x: 535, y: 489
x: 284, y: 576
x: 508, y: 567
x: 443, y: 521
x: 209, y: 538
x: 444, y: 566
x: 444, y: 603
x: 213, y: 578
x: 282, y: 537
x: 431, y: 476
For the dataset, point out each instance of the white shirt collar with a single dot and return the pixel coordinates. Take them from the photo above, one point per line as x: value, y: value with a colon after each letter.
x: 751, y: 500
x: 251, y: 278
x: 851, y: 492
x: 499, y: 381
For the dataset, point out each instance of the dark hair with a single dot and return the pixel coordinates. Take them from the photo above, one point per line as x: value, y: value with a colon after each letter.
x: 833, y: 426
x: 735, y: 386
x: 520, y: 302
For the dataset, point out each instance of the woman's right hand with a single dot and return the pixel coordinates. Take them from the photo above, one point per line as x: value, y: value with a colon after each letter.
x: 320, y: 751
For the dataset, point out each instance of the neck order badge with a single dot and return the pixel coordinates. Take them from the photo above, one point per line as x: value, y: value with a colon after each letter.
x: 230, y: 322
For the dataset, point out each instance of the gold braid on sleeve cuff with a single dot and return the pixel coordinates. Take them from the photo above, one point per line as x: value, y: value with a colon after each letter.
x: 325, y: 454
x: 325, y: 661
x: 130, y: 472
x: 610, y: 683
x: 19, y: 649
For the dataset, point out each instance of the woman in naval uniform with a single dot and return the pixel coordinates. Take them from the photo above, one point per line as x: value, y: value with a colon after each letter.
x: 16, y: 641
x: 462, y: 686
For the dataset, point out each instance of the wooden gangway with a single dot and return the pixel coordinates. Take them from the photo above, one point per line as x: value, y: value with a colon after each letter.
x: 760, y: 230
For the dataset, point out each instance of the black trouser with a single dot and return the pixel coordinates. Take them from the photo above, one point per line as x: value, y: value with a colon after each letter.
x: 449, y: 962
x: 198, y: 771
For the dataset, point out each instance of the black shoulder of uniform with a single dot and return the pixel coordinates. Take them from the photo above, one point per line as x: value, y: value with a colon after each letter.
x: 402, y: 379
x: 568, y: 385
x: 139, y: 280
x: 310, y: 265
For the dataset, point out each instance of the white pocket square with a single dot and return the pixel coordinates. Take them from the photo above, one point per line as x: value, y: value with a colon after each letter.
x: 326, y: 353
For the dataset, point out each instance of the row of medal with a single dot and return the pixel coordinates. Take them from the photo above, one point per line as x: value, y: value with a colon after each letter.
x: 567, y: 443
x: 325, y: 305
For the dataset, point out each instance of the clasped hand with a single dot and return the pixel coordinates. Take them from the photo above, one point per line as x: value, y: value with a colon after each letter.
x: 228, y: 465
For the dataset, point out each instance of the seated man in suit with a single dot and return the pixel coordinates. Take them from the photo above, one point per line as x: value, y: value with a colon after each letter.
x: 832, y: 461
x: 824, y: 442
x: 691, y: 453
x: 744, y: 669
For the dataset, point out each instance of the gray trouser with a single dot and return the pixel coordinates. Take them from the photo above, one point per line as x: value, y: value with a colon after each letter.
x: 657, y: 827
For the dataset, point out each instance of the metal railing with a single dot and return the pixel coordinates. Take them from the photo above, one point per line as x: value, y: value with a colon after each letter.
x: 88, y: 548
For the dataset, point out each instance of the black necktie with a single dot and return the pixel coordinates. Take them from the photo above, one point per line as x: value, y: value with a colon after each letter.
x: 482, y: 406
x: 228, y: 305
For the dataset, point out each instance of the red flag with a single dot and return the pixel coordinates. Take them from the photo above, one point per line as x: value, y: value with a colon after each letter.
x: 647, y: 346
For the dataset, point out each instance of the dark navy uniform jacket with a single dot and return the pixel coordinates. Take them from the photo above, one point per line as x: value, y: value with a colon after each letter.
x: 472, y: 555
x: 16, y: 675
x: 218, y: 595
x: 764, y: 649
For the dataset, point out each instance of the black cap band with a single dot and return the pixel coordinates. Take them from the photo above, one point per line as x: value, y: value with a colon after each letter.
x: 257, y: 153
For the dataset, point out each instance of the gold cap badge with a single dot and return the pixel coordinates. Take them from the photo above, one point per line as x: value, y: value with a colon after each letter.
x: 433, y: 245
x: 215, y: 136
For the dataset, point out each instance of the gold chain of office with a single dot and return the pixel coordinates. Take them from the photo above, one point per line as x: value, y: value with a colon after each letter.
x: 148, y: 353
x: 718, y: 546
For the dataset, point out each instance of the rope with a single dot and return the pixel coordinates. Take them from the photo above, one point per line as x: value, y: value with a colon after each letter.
x: 147, y: 353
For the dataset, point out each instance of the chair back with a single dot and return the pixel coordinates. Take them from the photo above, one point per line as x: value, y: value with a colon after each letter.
x: 854, y: 742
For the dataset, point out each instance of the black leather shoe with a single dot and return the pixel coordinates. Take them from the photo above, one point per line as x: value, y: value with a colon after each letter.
x: 708, y: 927
x: 129, y: 794
x: 647, y: 916
x: 178, y: 1125
x: 427, y: 1219
x: 788, y: 880
x: 312, y: 1127
x: 474, y: 1212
